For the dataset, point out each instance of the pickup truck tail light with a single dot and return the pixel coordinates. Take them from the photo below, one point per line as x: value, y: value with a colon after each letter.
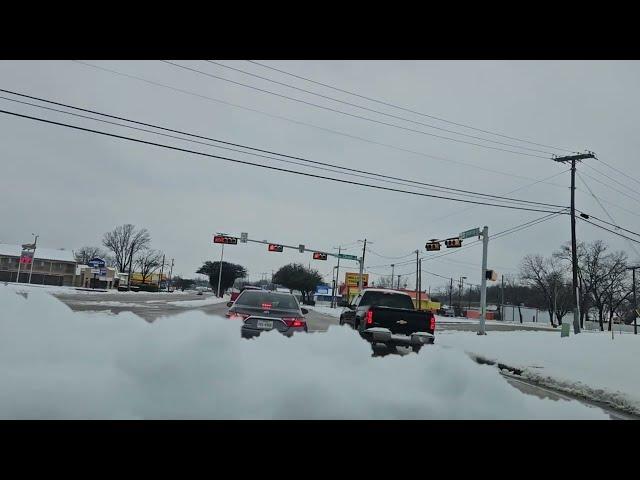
x: 368, y: 317
x: 432, y: 322
x: 293, y: 321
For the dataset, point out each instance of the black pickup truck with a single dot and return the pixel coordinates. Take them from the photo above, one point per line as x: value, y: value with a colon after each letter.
x: 388, y: 317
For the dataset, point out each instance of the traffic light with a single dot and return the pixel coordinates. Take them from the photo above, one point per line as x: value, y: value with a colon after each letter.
x: 275, y: 248
x: 319, y: 256
x: 301, y: 248
x: 491, y: 275
x: 431, y: 246
x: 453, y: 242
x: 225, y: 239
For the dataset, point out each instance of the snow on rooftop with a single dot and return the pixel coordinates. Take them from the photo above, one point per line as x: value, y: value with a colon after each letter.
x: 40, y: 254
x: 195, y: 366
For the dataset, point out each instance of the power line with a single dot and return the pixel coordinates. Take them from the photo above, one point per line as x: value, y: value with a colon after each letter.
x: 496, y: 236
x: 632, y: 189
x: 421, y: 184
x: 373, y: 110
x: 542, y: 180
x: 626, y: 175
x: 613, y: 204
x: 353, y: 115
x: 612, y: 188
x: 298, y: 122
x: 407, y: 109
x: 263, y: 166
x: 609, y: 230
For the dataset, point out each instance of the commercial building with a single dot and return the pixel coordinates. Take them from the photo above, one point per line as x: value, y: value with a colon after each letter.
x: 48, y: 266
x: 88, y: 277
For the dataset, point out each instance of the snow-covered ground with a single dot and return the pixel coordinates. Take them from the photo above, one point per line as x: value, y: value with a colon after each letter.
x: 55, y: 290
x: 332, y: 312
x: 590, y: 364
x: 56, y: 363
x: 212, y: 300
x: 335, y: 312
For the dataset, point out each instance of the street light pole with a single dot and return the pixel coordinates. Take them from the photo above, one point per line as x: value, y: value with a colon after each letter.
x: 393, y: 266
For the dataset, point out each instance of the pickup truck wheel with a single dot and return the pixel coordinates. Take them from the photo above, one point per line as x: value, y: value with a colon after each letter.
x: 392, y: 348
x: 416, y: 348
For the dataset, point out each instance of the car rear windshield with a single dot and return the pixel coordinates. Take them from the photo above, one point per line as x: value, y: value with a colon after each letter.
x: 382, y: 299
x: 255, y: 298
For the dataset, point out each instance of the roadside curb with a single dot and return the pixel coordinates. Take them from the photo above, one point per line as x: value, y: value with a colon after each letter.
x: 613, y: 400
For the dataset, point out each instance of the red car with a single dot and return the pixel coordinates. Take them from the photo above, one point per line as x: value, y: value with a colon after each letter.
x: 235, y: 295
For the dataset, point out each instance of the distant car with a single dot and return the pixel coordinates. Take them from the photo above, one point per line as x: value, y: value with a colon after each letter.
x: 200, y: 290
x: 449, y: 312
x: 235, y: 295
x: 261, y: 310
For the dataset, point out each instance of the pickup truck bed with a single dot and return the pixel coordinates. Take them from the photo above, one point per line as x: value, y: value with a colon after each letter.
x: 388, y: 317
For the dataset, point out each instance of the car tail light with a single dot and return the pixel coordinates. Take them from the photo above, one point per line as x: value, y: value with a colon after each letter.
x: 432, y: 322
x: 369, y: 317
x: 266, y: 305
x: 293, y: 321
x: 237, y: 316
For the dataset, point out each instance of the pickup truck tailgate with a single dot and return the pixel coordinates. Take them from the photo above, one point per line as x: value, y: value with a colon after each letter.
x: 400, y: 321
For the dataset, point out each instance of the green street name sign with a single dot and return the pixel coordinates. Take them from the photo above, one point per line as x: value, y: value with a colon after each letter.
x: 348, y: 257
x: 474, y: 232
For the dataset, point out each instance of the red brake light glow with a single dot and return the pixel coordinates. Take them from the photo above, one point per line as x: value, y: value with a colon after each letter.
x: 432, y: 322
x: 293, y: 321
x: 369, y: 317
x: 266, y: 305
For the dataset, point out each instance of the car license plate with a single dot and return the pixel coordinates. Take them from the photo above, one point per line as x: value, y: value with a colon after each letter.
x: 265, y: 324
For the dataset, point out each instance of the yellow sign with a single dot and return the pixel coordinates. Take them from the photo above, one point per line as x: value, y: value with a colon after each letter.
x: 352, y: 279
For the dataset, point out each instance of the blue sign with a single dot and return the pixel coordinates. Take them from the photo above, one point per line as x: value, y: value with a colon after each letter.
x: 322, y: 289
x: 96, y: 263
x: 103, y: 272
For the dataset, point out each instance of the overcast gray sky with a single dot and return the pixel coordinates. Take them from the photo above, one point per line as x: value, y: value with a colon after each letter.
x: 70, y: 187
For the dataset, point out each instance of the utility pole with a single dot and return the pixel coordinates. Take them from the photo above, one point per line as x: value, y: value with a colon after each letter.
x: 574, y: 253
x: 170, y: 276
x: 399, y: 281
x: 419, y: 294
x: 220, y: 271
x: 483, y: 283
x: 502, y: 300
x: 364, y: 250
x: 635, y: 304
x: 161, y: 272
x: 450, y: 292
x: 393, y: 266
x: 335, y: 284
x: 35, y: 244
x: 417, y: 270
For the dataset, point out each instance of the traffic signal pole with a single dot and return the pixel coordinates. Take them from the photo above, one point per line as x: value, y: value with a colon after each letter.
x: 483, y: 283
x: 220, y: 270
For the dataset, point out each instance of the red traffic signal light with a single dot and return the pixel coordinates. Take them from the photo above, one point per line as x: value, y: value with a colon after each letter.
x: 319, y: 256
x: 453, y: 242
x: 431, y: 246
x: 225, y: 239
x: 275, y: 248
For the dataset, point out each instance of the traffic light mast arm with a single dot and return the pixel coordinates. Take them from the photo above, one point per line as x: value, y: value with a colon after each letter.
x: 296, y: 247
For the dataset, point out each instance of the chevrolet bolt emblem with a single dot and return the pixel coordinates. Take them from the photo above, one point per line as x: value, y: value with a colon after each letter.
x: 401, y: 322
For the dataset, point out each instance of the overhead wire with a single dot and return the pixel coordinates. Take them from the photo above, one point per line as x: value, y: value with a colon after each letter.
x: 407, y: 109
x: 298, y: 122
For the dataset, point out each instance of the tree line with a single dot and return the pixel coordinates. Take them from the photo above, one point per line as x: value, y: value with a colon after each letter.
x: 545, y: 282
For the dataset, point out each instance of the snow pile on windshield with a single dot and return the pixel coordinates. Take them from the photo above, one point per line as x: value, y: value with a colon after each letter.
x: 590, y: 364
x: 55, y: 363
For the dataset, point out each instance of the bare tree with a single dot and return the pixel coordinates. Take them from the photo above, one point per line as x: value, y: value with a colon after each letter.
x: 385, y: 282
x: 148, y: 261
x: 545, y: 276
x: 87, y: 253
x: 125, y: 242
